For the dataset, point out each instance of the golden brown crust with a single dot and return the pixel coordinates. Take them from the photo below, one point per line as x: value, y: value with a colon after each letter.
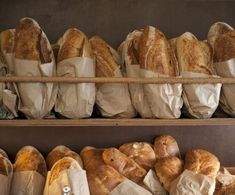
x: 165, y: 146
x: 30, y: 159
x: 5, y: 166
x: 8, y: 40
x: 124, y: 165
x: 74, y: 43
x: 105, y: 61
x: 168, y: 169
x: 156, y: 54
x: 193, y: 55
x: 141, y: 152
x: 102, y: 178
x: 224, y: 48
x: 202, y: 162
x: 60, y: 152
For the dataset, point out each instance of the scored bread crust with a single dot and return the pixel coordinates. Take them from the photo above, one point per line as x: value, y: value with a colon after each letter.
x: 142, y: 153
x: 165, y: 146
x: 202, y: 162
x: 156, y: 54
x: 106, y: 62
x: 123, y: 164
x: 6, y: 167
x: 74, y: 43
x: 8, y: 40
x: 60, y: 152
x: 30, y: 42
x: 194, y: 55
x: 168, y: 169
x: 29, y: 158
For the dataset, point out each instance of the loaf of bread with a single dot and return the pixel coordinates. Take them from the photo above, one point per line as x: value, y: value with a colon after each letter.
x: 168, y: 169
x: 156, y: 54
x: 30, y: 159
x: 194, y: 55
x: 5, y: 166
x: 225, y: 190
x: 3, y: 153
x: 102, y: 178
x: 8, y: 40
x: 123, y: 164
x: 60, y: 152
x: 202, y: 162
x: 165, y: 146
x: 141, y: 152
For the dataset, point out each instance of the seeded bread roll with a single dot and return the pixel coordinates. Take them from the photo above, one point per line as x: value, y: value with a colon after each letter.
x: 6, y: 167
x: 30, y: 159
x: 202, y: 162
x: 168, y: 169
x: 124, y: 165
x: 156, y: 53
x: 60, y: 152
x: 141, y: 152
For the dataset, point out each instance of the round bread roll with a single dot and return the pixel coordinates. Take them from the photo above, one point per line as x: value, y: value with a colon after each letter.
x: 141, y: 152
x: 6, y: 167
x: 168, y: 169
x: 60, y: 152
x: 30, y: 159
x: 3, y: 153
x: 165, y: 146
x: 202, y: 162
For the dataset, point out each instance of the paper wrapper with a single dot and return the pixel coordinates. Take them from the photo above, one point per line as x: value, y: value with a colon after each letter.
x: 138, y: 97
x: 152, y: 182
x: 164, y: 99
x: 5, y: 183
x: 27, y: 183
x: 113, y: 99
x: 76, y: 100
x: 190, y: 183
x: 128, y: 187
x: 200, y: 100
x: 74, y: 180
x: 36, y: 99
x: 227, y: 98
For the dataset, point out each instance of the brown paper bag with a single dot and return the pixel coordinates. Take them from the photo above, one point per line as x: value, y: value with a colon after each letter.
x: 5, y: 183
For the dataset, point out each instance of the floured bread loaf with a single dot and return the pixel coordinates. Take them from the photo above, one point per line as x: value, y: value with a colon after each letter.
x: 60, y: 152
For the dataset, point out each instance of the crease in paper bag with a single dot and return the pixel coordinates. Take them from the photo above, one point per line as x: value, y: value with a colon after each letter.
x: 190, y: 183
x: 27, y: 183
x: 164, y: 99
x: 200, y: 100
x: 227, y: 99
x: 76, y: 100
x: 113, y: 99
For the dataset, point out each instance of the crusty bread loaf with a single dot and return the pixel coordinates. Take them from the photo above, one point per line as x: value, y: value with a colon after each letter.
x: 224, y: 47
x: 156, y: 53
x: 165, y: 146
x: 124, y: 165
x: 194, y: 55
x: 8, y: 40
x: 141, y: 152
x: 29, y: 158
x: 106, y: 58
x: 37, y: 48
x: 168, y: 169
x: 60, y: 152
x: 5, y: 166
x: 102, y: 178
x: 74, y: 43
x: 202, y: 162
x: 3, y: 153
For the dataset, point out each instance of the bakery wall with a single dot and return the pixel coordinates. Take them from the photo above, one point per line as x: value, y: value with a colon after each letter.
x: 113, y: 19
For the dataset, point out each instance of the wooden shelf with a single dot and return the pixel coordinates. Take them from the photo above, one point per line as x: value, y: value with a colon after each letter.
x: 120, y: 122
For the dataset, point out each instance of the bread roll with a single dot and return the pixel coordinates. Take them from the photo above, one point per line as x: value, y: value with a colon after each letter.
x: 165, y: 146
x: 5, y: 166
x: 30, y: 159
x: 202, y: 162
x: 102, y: 178
x: 141, y: 152
x: 194, y: 55
x: 156, y: 53
x: 168, y: 169
x: 74, y: 44
x: 35, y: 49
x: 3, y: 153
x: 8, y: 40
x: 60, y: 152
x: 124, y: 165
x: 224, y: 47
x: 107, y: 60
